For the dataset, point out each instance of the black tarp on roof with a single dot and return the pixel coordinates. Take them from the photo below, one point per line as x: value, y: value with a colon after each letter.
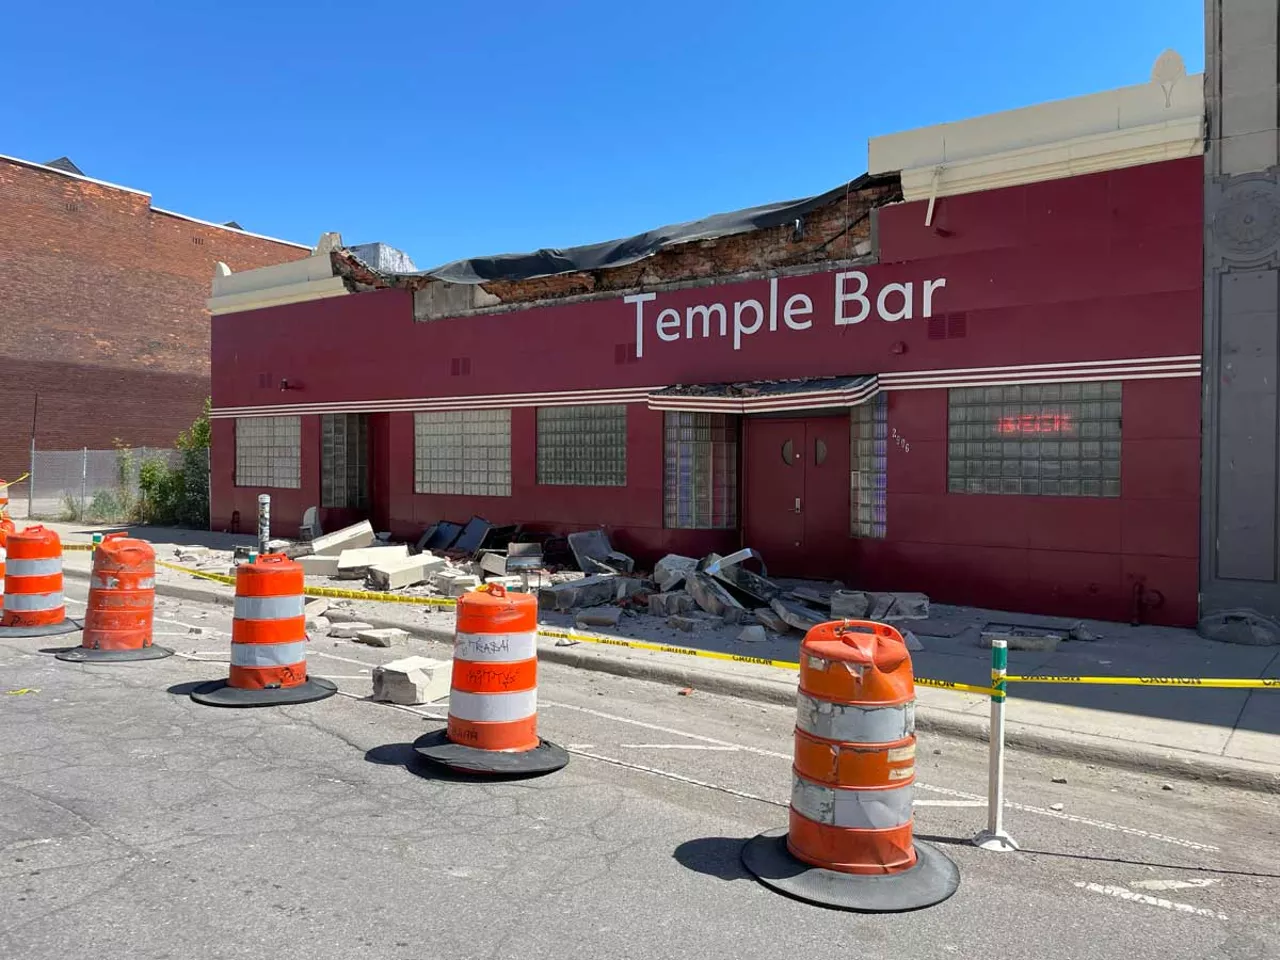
x: 617, y: 253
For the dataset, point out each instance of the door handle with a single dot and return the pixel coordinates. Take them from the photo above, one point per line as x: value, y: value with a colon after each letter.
x: 797, y: 504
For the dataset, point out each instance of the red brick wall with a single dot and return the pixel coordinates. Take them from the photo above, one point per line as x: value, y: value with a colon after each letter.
x: 102, y: 312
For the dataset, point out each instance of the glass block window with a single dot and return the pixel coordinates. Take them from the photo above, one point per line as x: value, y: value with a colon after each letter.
x: 869, y: 466
x: 269, y: 452
x: 1044, y: 439
x: 583, y: 446
x: 701, y: 470
x: 463, y: 452
x: 344, y: 460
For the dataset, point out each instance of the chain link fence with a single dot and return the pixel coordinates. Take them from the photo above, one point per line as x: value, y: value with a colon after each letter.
x: 86, y: 486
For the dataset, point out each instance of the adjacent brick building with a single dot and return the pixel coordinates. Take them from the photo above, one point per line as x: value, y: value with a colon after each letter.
x: 102, y: 310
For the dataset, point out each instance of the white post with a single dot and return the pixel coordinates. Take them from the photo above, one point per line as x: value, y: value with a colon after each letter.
x: 994, y: 837
x: 84, y: 482
x: 31, y: 480
x: 264, y: 522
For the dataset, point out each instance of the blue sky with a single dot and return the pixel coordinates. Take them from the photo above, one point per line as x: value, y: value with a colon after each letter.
x: 459, y: 129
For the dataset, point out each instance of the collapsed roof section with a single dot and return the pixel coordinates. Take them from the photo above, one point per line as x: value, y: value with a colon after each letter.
x: 813, y: 228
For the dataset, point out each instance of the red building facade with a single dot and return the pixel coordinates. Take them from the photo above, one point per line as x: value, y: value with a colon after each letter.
x: 999, y: 405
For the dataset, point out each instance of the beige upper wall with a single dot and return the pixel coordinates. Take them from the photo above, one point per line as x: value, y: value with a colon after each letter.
x: 1101, y: 131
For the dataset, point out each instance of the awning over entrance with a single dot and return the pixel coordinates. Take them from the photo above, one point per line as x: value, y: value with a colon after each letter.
x: 767, y: 396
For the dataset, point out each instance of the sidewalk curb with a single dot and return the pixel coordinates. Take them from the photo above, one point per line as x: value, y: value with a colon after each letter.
x: 1047, y: 741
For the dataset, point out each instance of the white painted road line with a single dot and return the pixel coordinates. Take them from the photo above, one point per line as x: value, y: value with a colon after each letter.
x: 680, y: 778
x: 948, y: 803
x: 1174, y: 884
x: 677, y: 746
x: 1083, y: 821
x: 333, y: 656
x: 1122, y: 893
x: 661, y: 729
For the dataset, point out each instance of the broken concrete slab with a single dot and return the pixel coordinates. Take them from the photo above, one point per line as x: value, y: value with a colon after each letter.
x: 318, y: 625
x: 1018, y: 639
x: 453, y: 583
x: 355, y: 564
x: 670, y: 604
x: 671, y: 571
x: 621, y: 562
x: 348, y: 538
x: 400, y: 572
x: 318, y: 565
x: 912, y: 641
x: 879, y: 605
x: 493, y: 562
x: 412, y: 680
x: 510, y: 583
x: 849, y: 605
x: 316, y: 608
x: 771, y: 620
x: 586, y: 592
x: 589, y: 546
x: 710, y: 594
x: 741, y: 583
x: 599, y: 617
x: 627, y: 587
x: 796, y: 614
x: 909, y: 606
x: 348, y: 631
x: 687, y: 624
x: 387, y: 637
x: 813, y: 596
x: 753, y: 634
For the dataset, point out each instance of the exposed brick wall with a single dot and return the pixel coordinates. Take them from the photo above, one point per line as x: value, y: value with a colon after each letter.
x: 832, y: 232
x: 102, y: 311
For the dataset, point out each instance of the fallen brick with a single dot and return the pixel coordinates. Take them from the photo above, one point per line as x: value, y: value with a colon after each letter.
x: 347, y: 631
x: 355, y: 564
x: 586, y: 592
x: 404, y: 571
x: 849, y: 605
x: 687, y: 624
x: 454, y: 584
x: 412, y: 680
x: 599, y: 617
x: 670, y: 604
x: 382, y: 638
x: 319, y: 566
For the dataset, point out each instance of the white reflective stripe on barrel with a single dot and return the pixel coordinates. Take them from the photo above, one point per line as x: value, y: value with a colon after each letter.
x: 495, y: 647
x: 34, y: 568
x: 493, y: 707
x: 33, y: 602
x: 857, y: 809
x: 110, y: 583
x: 268, y: 654
x: 269, y: 608
x: 848, y: 723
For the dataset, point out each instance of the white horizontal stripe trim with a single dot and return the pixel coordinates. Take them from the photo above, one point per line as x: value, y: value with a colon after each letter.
x: 33, y: 602
x: 112, y: 583
x: 1000, y: 377
x: 855, y: 809
x: 848, y: 723
x: 1051, y: 366
x: 269, y: 608
x: 268, y: 654
x: 479, y: 401
x: 1016, y: 381
x: 34, y: 568
x: 493, y: 707
x: 495, y: 647
x: 1073, y: 371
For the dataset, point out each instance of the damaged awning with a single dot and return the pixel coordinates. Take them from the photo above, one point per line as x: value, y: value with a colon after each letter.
x: 767, y: 396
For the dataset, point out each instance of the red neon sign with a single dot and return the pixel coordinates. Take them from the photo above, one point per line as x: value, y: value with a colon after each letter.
x: 1036, y: 423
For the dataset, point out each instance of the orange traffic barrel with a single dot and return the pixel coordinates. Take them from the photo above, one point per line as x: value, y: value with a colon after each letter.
x: 268, y: 641
x: 849, y: 844
x: 493, y: 695
x: 122, y: 596
x: 33, y: 604
x: 6, y: 527
x: 4, y: 498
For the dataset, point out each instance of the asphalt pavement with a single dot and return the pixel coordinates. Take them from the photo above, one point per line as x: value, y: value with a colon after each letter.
x: 137, y: 824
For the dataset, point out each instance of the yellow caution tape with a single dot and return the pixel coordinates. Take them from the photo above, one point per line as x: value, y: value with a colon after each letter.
x: 1211, y: 682
x: 953, y: 685
x: 77, y: 547
x: 665, y: 648
x: 332, y: 592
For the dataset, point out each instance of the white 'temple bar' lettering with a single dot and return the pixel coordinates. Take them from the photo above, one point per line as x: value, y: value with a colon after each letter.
x: 864, y: 305
x: 640, y: 299
x: 739, y: 328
